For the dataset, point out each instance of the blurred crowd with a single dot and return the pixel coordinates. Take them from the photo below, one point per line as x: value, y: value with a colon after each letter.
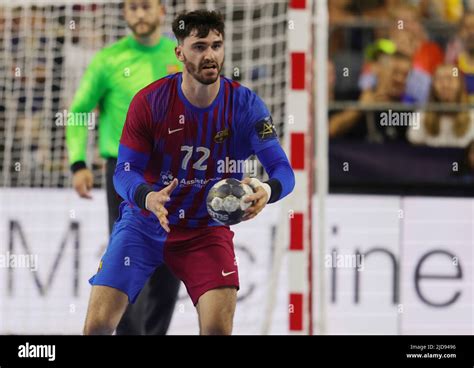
x: 405, y: 70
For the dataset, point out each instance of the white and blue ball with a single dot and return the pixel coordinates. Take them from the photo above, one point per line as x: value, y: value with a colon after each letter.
x: 225, y: 201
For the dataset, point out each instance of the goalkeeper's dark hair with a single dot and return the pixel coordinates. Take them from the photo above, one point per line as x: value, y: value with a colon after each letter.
x: 202, y: 21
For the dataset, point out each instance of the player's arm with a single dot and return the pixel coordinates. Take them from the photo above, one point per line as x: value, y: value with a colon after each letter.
x: 281, y: 180
x: 135, y: 149
x: 265, y: 144
x: 91, y: 89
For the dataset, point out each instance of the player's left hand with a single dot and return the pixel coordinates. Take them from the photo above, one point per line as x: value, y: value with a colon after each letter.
x: 259, y: 198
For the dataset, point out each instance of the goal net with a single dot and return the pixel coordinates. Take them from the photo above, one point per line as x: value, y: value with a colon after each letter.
x: 46, y: 45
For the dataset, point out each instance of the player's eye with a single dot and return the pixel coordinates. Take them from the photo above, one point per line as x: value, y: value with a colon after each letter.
x: 217, y: 46
x: 199, y: 47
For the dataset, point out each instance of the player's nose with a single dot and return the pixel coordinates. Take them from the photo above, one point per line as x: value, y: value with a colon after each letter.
x: 140, y: 13
x: 209, y: 55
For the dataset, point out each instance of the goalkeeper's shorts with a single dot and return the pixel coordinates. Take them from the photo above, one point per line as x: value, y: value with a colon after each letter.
x: 203, y: 258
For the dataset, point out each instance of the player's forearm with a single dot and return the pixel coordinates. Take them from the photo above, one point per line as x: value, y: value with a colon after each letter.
x: 129, y: 181
x: 76, y: 143
x: 130, y: 184
x: 282, y: 178
x: 80, y: 120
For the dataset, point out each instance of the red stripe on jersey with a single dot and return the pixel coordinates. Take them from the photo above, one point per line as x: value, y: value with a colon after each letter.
x: 138, y: 130
x: 152, y: 172
x: 227, y: 118
x: 199, y: 197
x: 191, y: 127
x: 231, y: 104
x: 211, y: 167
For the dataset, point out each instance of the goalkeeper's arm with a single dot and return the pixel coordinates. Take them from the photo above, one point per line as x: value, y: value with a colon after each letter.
x: 86, y: 99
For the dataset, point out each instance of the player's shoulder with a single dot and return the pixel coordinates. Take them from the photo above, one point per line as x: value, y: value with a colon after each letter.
x: 159, y: 87
x: 243, y: 96
x: 247, y: 102
x: 236, y: 87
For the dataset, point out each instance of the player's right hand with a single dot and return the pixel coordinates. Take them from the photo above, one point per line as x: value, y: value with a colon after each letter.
x: 82, y: 181
x: 155, y: 202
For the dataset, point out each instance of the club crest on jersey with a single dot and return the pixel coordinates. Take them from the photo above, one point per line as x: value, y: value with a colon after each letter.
x: 166, y: 177
x: 222, y: 136
x: 265, y: 129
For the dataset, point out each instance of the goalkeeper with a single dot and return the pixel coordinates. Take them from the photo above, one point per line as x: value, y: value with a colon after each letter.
x: 114, y: 76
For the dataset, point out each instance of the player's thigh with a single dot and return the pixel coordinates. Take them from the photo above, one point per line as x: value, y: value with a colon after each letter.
x: 106, y: 307
x: 216, y: 309
x: 133, y: 254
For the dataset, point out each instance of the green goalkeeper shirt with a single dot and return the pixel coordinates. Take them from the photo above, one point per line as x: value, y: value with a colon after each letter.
x: 113, y: 77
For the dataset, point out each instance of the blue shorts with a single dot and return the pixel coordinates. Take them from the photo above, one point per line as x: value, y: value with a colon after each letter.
x: 203, y: 258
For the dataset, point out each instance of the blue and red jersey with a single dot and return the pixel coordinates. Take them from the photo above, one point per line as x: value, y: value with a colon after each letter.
x: 166, y: 137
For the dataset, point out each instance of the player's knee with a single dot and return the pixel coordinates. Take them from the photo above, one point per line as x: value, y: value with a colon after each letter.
x: 98, y: 326
x: 220, y: 325
x: 217, y: 329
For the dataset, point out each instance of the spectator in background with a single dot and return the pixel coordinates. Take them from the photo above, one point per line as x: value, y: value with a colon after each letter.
x: 447, y: 129
x: 461, y: 52
x: 445, y: 10
x: 339, y: 11
x: 410, y: 38
x: 392, y: 75
x: 450, y: 11
x: 377, y: 9
x: 368, y: 77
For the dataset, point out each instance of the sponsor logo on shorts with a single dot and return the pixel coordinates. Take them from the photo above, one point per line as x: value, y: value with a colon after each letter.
x: 100, y: 267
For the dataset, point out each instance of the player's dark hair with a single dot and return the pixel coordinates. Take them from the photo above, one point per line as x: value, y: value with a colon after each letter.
x: 202, y: 21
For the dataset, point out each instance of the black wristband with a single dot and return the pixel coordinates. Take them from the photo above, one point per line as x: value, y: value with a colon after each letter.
x: 78, y: 165
x: 276, y: 188
x: 140, y: 195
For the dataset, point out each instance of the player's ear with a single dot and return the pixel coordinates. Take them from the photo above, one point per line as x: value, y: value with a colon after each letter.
x: 178, y: 50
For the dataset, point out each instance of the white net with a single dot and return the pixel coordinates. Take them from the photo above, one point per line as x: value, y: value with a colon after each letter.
x: 46, y: 45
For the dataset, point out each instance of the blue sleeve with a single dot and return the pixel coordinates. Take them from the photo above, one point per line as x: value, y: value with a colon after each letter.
x: 278, y: 168
x: 258, y: 124
x: 263, y: 139
x: 136, y: 145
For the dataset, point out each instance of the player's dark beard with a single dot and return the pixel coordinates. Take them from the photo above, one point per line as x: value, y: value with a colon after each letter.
x: 151, y: 28
x: 196, y: 70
